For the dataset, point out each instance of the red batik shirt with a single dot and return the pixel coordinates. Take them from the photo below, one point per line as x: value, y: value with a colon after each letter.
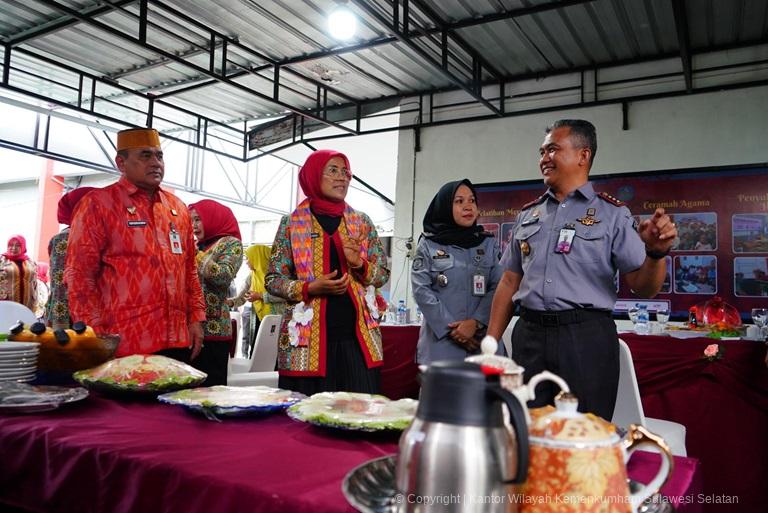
x: 122, y: 275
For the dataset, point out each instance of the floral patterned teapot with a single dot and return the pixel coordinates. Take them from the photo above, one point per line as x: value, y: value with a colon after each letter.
x: 577, y: 463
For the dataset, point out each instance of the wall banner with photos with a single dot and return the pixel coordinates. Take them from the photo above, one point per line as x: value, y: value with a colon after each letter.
x: 722, y: 221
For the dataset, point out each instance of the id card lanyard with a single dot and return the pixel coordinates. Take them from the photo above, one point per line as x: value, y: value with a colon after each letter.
x: 478, y: 278
x: 565, y: 239
x: 175, y: 239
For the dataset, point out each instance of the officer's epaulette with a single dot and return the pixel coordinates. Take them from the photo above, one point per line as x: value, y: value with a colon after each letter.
x: 610, y: 199
x: 534, y: 202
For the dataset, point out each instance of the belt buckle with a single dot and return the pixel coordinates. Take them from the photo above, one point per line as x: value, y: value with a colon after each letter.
x: 549, y: 320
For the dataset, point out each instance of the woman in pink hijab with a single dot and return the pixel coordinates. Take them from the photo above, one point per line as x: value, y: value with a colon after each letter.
x: 219, y: 256
x: 327, y: 262
x: 18, y: 274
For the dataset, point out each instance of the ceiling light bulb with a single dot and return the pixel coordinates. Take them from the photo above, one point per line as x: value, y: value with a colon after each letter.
x: 342, y: 24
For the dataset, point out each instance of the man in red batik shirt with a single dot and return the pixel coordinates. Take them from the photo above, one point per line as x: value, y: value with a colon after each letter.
x: 131, y: 258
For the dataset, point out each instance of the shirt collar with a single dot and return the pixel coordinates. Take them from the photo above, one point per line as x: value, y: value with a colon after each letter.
x: 130, y: 188
x: 586, y: 191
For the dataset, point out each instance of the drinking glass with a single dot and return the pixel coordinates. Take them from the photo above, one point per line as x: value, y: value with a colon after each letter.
x: 760, y: 317
x: 662, y: 316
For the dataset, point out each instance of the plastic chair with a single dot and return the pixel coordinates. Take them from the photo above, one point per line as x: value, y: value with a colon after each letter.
x: 11, y: 313
x: 506, y: 337
x: 629, y: 408
x: 260, y: 368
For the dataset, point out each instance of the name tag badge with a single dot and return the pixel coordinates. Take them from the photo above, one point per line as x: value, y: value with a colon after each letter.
x: 478, y: 285
x: 137, y: 224
x: 565, y: 240
x: 175, y: 243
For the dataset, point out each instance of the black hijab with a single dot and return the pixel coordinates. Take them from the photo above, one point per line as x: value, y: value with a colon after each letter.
x: 440, y: 226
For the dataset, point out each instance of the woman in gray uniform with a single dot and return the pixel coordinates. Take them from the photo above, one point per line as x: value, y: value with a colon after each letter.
x: 454, y: 275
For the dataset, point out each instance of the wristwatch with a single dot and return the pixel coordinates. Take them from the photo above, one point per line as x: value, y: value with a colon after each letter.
x: 657, y: 255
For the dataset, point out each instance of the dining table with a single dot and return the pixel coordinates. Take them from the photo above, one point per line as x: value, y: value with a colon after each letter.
x: 399, y: 373
x: 106, y: 455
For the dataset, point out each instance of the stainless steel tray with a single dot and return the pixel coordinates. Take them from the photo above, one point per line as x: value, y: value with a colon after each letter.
x: 370, y: 488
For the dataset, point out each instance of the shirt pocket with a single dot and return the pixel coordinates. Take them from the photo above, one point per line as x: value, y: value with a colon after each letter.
x: 589, y: 243
x: 444, y: 265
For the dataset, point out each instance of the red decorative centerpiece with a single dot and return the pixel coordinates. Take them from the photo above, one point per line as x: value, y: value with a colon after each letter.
x: 718, y: 316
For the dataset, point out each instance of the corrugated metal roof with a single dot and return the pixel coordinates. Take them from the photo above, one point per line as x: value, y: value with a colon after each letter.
x: 60, y: 48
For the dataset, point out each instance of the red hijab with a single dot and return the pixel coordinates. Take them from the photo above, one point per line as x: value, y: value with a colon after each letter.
x: 217, y: 220
x: 310, y: 177
x: 68, y: 202
x: 21, y: 256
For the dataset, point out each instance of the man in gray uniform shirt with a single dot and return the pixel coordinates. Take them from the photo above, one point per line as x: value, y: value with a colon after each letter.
x: 559, y: 270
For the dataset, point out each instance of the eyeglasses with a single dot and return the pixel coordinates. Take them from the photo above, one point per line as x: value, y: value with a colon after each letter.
x: 337, y: 173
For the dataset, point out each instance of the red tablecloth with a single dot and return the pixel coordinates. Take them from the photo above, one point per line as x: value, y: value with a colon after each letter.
x: 108, y: 456
x: 399, y: 374
x: 723, y: 405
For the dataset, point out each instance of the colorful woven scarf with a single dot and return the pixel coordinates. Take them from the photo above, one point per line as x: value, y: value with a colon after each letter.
x: 305, y: 263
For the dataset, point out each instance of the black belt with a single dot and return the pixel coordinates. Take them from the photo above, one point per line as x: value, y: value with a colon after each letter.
x: 550, y: 319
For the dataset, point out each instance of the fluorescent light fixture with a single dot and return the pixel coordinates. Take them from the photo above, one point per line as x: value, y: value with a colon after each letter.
x: 342, y: 24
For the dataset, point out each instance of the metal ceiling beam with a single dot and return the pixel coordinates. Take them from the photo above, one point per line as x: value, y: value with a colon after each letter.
x: 683, y: 41
x: 443, y: 26
x: 157, y: 63
x: 474, y: 89
x: 539, y: 110
x: 450, y: 26
x: 65, y: 21
x: 223, y: 77
x: 380, y: 41
x: 228, y: 41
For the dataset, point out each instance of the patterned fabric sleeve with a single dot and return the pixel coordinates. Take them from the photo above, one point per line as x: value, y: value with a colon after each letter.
x: 281, y: 275
x: 217, y: 268
x: 376, y: 272
x: 219, y: 271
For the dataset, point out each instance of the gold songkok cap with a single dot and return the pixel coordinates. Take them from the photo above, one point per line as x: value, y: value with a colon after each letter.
x: 137, y: 138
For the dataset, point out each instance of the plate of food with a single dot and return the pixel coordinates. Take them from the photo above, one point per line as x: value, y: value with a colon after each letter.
x: 355, y: 411
x: 140, y: 373
x: 223, y: 401
x: 23, y: 398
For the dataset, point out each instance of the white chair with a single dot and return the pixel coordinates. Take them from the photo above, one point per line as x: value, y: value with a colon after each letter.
x: 260, y: 368
x: 238, y: 318
x: 11, y: 313
x: 629, y: 408
x: 506, y: 337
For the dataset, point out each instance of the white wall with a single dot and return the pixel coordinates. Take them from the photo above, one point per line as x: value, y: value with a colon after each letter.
x: 703, y: 130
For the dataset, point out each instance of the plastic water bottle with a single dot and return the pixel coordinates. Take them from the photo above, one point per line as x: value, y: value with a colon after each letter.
x: 419, y: 315
x: 643, y: 324
x: 401, y: 312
